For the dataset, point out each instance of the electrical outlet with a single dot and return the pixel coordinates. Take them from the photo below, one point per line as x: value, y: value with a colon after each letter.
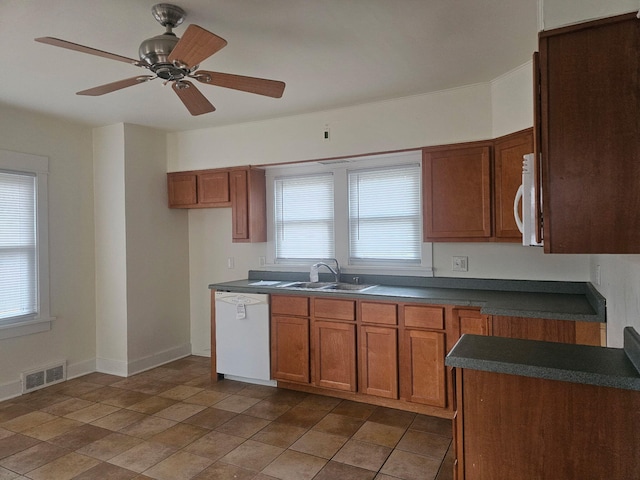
x: 262, y: 261
x: 459, y: 264
x: 598, y: 275
x: 231, y: 262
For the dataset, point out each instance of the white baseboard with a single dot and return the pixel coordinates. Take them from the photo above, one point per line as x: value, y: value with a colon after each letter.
x: 10, y: 390
x: 159, y: 358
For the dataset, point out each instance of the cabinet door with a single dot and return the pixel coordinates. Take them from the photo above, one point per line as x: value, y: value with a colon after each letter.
x: 563, y: 331
x: 508, y: 152
x: 213, y: 189
x: 334, y: 355
x: 473, y: 322
x: 379, y: 361
x: 590, y: 153
x: 248, y: 205
x: 182, y: 190
x: 240, y: 203
x: 423, y: 368
x: 457, y: 193
x: 290, y: 349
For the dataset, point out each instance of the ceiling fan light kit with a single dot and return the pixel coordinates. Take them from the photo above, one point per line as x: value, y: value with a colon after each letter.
x: 174, y: 59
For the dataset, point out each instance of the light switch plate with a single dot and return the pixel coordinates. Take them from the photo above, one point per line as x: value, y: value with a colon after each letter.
x: 459, y: 264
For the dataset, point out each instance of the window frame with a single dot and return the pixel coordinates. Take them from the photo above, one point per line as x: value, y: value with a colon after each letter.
x: 340, y: 168
x: 39, y: 167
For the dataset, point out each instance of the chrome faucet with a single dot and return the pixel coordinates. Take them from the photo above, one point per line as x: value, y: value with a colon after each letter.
x: 313, y: 274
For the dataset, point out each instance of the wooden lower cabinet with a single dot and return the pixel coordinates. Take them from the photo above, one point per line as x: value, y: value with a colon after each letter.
x: 378, y: 364
x: 524, y: 428
x: 563, y: 331
x: 290, y: 337
x: 334, y: 355
x: 472, y: 321
x: 290, y: 349
x: 423, y: 371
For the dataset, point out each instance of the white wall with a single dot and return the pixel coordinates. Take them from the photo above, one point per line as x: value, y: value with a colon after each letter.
x: 157, y: 256
x: 620, y: 274
x: 142, y: 259
x: 71, y: 253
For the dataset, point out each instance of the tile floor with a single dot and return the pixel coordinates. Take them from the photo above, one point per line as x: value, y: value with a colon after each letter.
x: 172, y: 423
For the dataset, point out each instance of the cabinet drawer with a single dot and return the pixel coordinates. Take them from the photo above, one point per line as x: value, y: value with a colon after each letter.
x: 336, y: 309
x: 379, y: 313
x: 289, y: 305
x: 418, y: 316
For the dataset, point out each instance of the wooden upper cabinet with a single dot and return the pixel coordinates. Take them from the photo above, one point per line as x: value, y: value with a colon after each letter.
x: 198, y: 189
x: 248, y: 205
x: 507, y: 178
x: 457, y: 192
x: 213, y: 189
x: 590, y: 99
x: 182, y: 190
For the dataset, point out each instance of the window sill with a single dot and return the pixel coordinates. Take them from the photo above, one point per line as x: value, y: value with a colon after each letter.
x: 25, y: 327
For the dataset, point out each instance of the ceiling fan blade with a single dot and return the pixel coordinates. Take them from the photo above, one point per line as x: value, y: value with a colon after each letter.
x: 261, y: 86
x: 56, y: 42
x: 112, y: 87
x: 193, y: 99
x: 196, y: 45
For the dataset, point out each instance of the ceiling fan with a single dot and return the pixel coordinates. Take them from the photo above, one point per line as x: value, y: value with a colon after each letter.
x: 175, y: 60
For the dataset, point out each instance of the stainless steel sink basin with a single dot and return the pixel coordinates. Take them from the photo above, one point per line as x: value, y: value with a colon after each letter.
x: 326, y: 286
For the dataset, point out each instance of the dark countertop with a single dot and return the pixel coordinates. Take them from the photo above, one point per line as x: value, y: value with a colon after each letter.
x: 602, y: 366
x: 518, y: 298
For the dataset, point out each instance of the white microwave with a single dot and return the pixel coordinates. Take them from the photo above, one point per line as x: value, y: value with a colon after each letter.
x: 527, y: 222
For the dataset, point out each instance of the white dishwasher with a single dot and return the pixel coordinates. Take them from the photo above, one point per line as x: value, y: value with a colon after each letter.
x: 242, y: 337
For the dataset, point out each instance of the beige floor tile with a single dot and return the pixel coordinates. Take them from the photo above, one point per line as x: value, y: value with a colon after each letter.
x: 320, y: 402
x: 181, y: 392
x: 143, y: 456
x: 252, y: 455
x: 210, y: 418
x: 119, y: 419
x: 221, y: 471
x: 107, y: 471
x: 342, y: 471
x: 424, y: 443
x: 439, y: 426
x: 92, y: 412
x: 67, y: 406
x: 179, y: 435
x: 109, y: 446
x: 354, y: 409
x: 123, y: 398
x: 33, y: 457
x: 27, y: 421
x: 267, y: 409
x: 206, y: 398
x: 320, y: 444
x: 179, y: 466
x: 279, y: 434
x: 339, y: 424
x: 101, y: 378
x: 214, y: 445
x: 243, y: 426
x: 151, y: 405
x: 257, y: 391
x: 409, y: 466
x: 148, y: 427
x: 10, y: 411
x: 52, y: 429
x: 363, y: 455
x: 80, y: 436
x: 15, y: 443
x: 293, y: 465
x: 64, y: 468
x: 236, y: 403
x: 180, y: 411
x: 380, y: 434
x: 390, y: 416
x: 301, y: 416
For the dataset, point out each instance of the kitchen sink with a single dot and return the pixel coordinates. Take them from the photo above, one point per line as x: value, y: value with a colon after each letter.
x: 326, y: 286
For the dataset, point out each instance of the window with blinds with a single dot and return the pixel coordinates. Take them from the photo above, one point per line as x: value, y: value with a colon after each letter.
x: 303, y: 217
x: 18, y: 246
x: 385, y: 220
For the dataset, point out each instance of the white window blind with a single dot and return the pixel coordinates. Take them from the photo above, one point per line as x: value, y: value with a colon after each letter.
x: 18, y: 248
x: 303, y: 211
x: 385, y: 221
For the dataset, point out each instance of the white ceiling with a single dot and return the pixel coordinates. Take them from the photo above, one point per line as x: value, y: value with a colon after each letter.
x: 330, y: 53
